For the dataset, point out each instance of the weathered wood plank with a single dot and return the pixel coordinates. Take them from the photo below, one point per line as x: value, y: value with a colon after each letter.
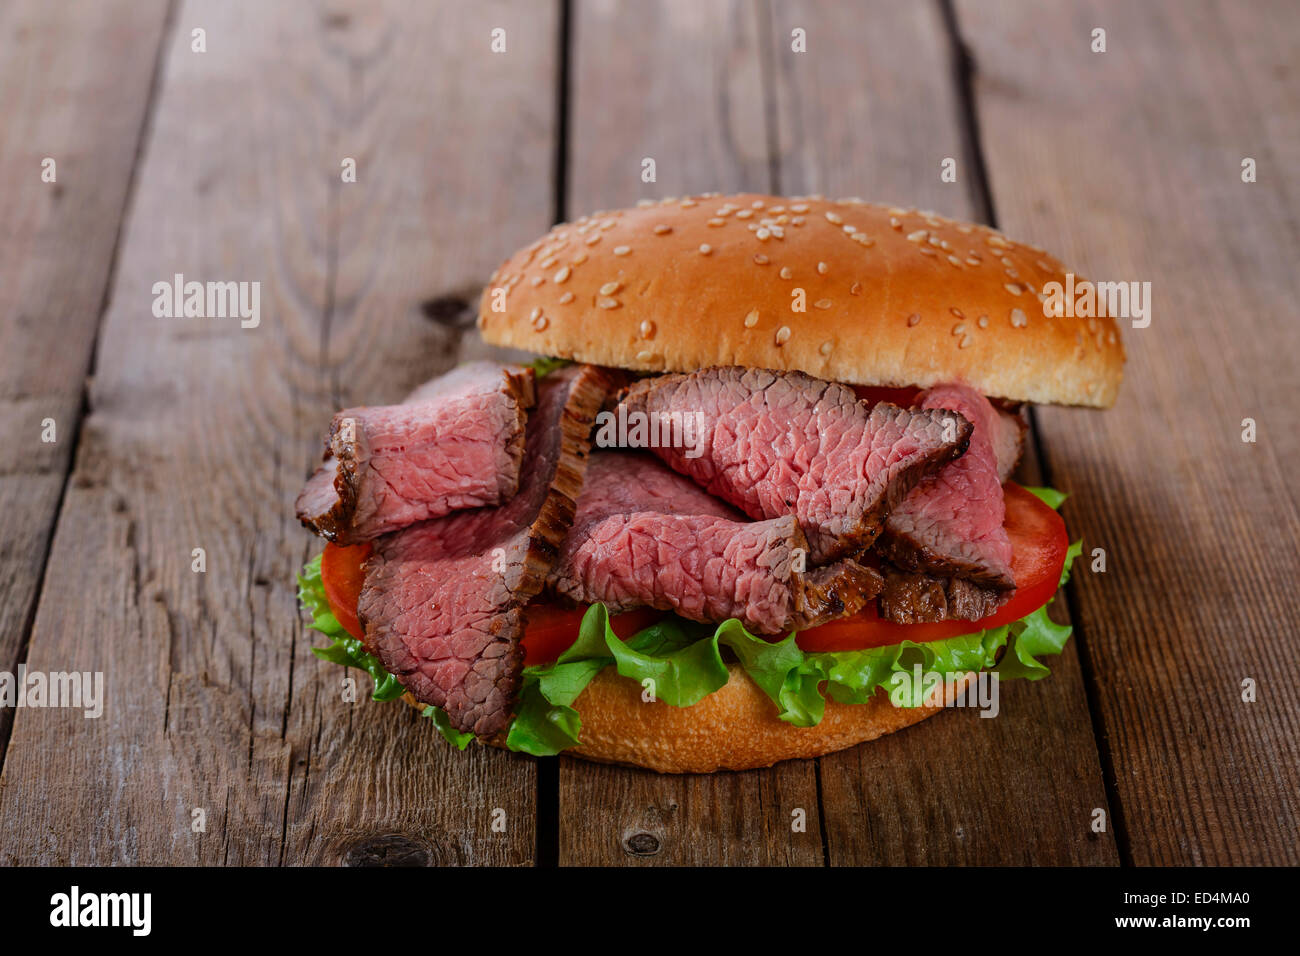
x: 679, y: 83
x: 200, y: 433
x: 75, y: 81
x: 872, y: 109
x: 1128, y: 164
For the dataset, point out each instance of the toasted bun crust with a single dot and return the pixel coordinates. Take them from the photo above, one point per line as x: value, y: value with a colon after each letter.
x: 734, y: 728
x: 892, y: 297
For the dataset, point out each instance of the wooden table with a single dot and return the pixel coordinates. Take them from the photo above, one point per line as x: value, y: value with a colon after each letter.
x: 177, y: 434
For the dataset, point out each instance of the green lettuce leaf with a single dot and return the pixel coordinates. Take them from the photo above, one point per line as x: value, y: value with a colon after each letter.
x: 1048, y: 496
x: 545, y: 365
x: 345, y: 649
x: 440, y: 720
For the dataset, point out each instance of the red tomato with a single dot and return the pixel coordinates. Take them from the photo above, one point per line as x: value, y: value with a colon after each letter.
x: 1038, y: 546
x: 340, y: 575
x: 551, y: 629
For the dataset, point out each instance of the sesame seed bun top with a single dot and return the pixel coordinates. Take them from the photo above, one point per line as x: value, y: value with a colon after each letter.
x: 845, y: 290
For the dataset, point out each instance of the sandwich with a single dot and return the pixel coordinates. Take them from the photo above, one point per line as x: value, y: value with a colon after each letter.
x: 752, y: 501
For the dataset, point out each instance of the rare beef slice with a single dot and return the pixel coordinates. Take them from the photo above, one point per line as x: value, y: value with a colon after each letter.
x: 645, y: 536
x: 443, y: 601
x: 778, y: 443
x: 455, y: 443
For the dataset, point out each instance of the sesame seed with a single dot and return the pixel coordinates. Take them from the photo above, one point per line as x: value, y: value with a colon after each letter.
x: 643, y: 203
x: 647, y: 329
x: 1013, y: 288
x: 662, y: 230
x: 1042, y: 265
x: 562, y: 274
x: 744, y: 214
x: 535, y: 314
x: 959, y: 328
x: 850, y: 230
x: 926, y: 251
x: 646, y: 356
x: 797, y: 220
x: 566, y: 298
x: 934, y: 241
x: 997, y: 242
x: 955, y: 261
x: 541, y: 323
x: 1110, y: 337
x: 546, y: 263
x: 761, y: 259
x: 855, y: 289
x: 717, y: 222
x: 592, y: 239
x: 763, y: 234
x: 972, y: 261
x: 751, y: 319
x: 1018, y: 319
x: 895, y: 223
x: 822, y: 268
x: 609, y: 288
x: 1006, y: 262
x: 982, y: 321
x: 608, y: 303
x: 622, y: 250
x: 1012, y: 273
x: 579, y: 259
x: 536, y: 281
x: 914, y: 319
x: 957, y: 312
x: 825, y: 348
x: 799, y: 207
x: 786, y: 273
x: 965, y: 342
x: 917, y: 236
x: 823, y: 303
x: 608, y: 224
x: 783, y: 335
x: 689, y: 204
x: 832, y: 217
x: 757, y: 204
x: 705, y: 248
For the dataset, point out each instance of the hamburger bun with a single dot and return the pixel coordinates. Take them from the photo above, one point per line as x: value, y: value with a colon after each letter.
x: 890, y: 296
x: 734, y: 728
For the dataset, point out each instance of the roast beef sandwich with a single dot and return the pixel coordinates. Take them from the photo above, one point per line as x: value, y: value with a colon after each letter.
x: 752, y: 502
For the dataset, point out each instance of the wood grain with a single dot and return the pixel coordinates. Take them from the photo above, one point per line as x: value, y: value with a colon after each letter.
x: 679, y: 82
x: 1128, y: 165
x: 200, y: 433
x: 872, y: 109
x: 75, y: 82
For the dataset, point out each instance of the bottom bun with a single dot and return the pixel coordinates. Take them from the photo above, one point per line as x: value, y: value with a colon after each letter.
x: 734, y: 728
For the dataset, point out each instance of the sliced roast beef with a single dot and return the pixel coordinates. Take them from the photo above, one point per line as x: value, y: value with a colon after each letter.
x: 951, y: 523
x: 442, y: 604
x: 1008, y: 441
x: 455, y: 443
x: 644, y: 536
x: 916, y: 598
x: 776, y: 443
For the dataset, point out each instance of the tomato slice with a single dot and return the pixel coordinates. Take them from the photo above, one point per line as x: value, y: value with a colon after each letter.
x: 1038, y: 546
x: 340, y: 575
x: 552, y: 629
